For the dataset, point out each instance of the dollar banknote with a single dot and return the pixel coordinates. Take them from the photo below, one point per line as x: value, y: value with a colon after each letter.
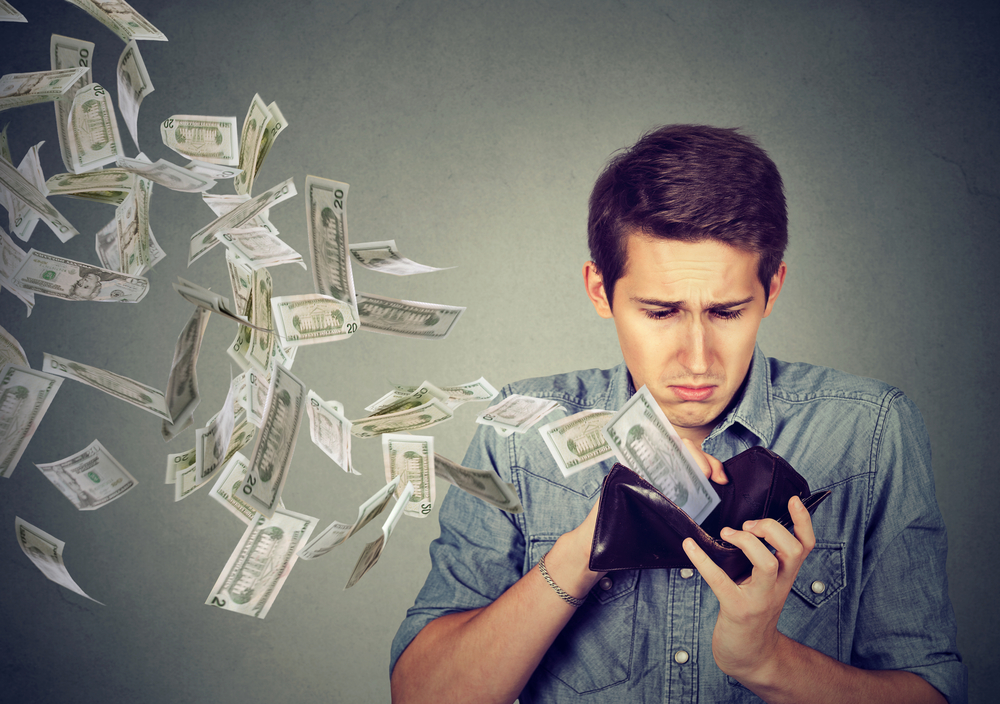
x: 254, y: 128
x: 577, y: 442
x: 203, y: 298
x: 259, y: 248
x: 65, y: 53
x: 181, y: 394
x: 259, y: 351
x: 178, y: 462
x: 240, y: 281
x: 186, y: 480
x: 11, y: 259
x: 22, y: 217
x: 17, y: 89
x: 311, y: 318
x: 337, y: 533
x: 330, y: 431
x: 226, y: 488
x: 212, y: 140
x: 647, y: 443
x: 216, y: 172
x: 54, y: 276
x: 133, y: 86
x: 16, y: 186
x: 212, y: 441
x: 272, y: 453
x: 481, y: 483
x: 128, y: 390
x: 275, y: 126
x: 11, y: 351
x: 423, y: 416
x: 109, y: 186
x: 132, y: 224
x: 326, y: 225
x: 261, y: 562
x: 9, y: 14
x: 25, y: 395
x: 221, y: 204
x: 92, y: 130
x: 255, y: 400
x: 416, y: 397
x: 373, y: 550
x: 392, y: 316
x: 385, y: 258
x: 121, y: 18
x: 46, y: 553
x: 516, y: 413
x: 90, y: 478
x: 455, y: 396
x: 204, y: 239
x: 412, y: 458
x: 167, y: 174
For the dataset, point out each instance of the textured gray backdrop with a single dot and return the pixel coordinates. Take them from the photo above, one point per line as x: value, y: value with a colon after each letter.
x: 471, y: 133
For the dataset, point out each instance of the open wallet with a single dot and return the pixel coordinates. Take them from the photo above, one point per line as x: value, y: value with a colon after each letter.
x: 640, y: 528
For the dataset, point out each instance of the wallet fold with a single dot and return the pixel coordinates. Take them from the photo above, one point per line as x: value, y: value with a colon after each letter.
x: 640, y: 528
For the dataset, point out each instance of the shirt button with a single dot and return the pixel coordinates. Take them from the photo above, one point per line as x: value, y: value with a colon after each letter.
x: 687, y: 573
x: 606, y: 583
x: 681, y: 657
x: 818, y: 587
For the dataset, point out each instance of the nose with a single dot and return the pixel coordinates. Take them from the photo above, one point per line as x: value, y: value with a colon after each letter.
x: 695, y: 350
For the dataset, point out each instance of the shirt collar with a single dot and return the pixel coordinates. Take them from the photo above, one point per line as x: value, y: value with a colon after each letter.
x: 753, y: 408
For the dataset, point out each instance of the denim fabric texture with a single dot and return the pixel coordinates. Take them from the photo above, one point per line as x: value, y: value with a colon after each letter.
x: 873, y: 593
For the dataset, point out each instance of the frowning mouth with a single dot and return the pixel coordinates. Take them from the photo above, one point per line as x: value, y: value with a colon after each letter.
x: 693, y: 393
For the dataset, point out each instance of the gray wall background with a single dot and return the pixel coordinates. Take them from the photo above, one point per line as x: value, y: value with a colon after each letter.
x: 472, y: 133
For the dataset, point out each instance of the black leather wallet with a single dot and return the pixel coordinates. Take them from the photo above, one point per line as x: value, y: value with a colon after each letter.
x: 640, y: 528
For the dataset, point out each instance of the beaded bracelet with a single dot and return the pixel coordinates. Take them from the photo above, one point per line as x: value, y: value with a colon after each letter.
x: 563, y: 594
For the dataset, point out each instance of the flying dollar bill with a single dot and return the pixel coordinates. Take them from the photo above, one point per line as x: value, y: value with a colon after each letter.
x: 11, y: 351
x: 484, y: 484
x: 516, y: 413
x: 577, y: 442
x: 9, y: 14
x: 261, y: 126
x: 133, y: 86
x: 211, y: 140
x: 203, y: 298
x: 165, y: 173
x: 646, y: 442
x: 412, y: 458
x: 178, y: 462
x: 90, y: 478
x: 373, y: 550
x: 14, y: 185
x: 330, y: 431
x: 212, y: 441
x: 272, y: 453
x: 261, y: 562
x: 326, y: 224
x: 109, y: 186
x: 46, y: 553
x: 120, y: 18
x: 337, y: 533
x: 311, y: 318
x: 385, y: 258
x: 92, y: 130
x: 54, y: 276
x: 22, y: 217
x: 132, y: 224
x: 11, y: 259
x: 204, y: 239
x: 226, y: 488
x: 259, y: 248
x: 181, y: 394
x: 25, y: 395
x: 432, y: 412
x: 128, y: 390
x: 17, y: 89
x: 392, y: 316
x: 64, y: 53
x: 478, y: 390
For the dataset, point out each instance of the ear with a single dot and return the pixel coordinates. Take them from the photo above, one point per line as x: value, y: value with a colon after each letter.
x: 594, y: 284
x: 777, y: 281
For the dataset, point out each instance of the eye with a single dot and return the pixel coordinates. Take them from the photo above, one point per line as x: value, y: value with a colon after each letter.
x: 660, y: 314
x: 727, y: 314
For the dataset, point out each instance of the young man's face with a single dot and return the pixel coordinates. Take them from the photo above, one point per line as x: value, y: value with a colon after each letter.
x: 687, y: 316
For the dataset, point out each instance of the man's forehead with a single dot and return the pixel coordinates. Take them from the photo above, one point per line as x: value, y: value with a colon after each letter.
x: 709, y: 266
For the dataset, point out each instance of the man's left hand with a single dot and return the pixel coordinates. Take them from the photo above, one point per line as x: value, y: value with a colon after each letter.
x: 746, y: 639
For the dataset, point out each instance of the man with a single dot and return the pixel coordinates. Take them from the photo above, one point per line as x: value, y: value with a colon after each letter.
x: 687, y: 231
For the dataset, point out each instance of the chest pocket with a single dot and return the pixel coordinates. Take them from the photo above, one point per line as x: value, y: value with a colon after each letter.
x: 811, y: 614
x: 594, y: 650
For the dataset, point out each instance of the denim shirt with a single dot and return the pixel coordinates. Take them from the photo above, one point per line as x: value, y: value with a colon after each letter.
x: 873, y: 592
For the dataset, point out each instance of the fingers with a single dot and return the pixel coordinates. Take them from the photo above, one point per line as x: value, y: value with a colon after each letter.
x: 790, y: 550
x: 710, y: 466
x: 714, y: 576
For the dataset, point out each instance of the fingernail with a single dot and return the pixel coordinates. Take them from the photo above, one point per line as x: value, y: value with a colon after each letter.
x: 727, y: 531
x: 747, y: 525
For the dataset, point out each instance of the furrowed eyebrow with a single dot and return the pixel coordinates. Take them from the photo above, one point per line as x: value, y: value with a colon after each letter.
x: 724, y: 305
